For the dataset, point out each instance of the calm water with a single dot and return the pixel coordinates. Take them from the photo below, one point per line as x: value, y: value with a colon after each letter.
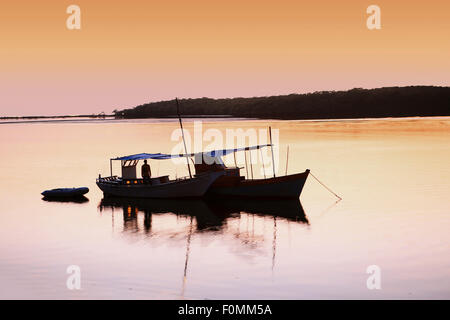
x: 393, y: 175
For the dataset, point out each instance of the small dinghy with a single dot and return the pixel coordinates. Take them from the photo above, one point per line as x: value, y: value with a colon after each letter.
x: 65, y: 192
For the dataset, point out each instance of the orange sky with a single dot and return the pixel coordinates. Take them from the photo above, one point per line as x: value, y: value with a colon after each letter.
x: 132, y: 52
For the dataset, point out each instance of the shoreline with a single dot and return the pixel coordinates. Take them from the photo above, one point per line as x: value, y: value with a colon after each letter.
x: 191, y: 119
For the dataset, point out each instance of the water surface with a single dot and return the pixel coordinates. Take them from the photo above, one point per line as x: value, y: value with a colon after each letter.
x: 393, y: 176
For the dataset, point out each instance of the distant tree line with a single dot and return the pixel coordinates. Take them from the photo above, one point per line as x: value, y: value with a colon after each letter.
x: 355, y: 103
x: 100, y: 115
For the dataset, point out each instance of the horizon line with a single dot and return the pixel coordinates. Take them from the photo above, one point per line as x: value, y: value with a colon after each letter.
x: 217, y: 98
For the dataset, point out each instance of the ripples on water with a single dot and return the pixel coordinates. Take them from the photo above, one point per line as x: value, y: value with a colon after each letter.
x: 393, y: 175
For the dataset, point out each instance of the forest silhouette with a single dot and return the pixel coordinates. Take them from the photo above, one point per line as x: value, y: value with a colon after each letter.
x: 355, y: 103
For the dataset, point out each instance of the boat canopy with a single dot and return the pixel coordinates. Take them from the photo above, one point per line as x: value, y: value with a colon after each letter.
x: 143, y: 156
x: 212, y: 154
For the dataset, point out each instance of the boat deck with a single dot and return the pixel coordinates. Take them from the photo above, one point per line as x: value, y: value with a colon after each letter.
x: 115, y: 180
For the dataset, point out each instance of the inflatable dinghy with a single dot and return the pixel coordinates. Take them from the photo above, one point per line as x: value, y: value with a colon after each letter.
x: 65, y: 192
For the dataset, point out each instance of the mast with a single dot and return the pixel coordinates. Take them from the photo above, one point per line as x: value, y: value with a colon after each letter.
x: 287, y: 160
x: 184, y: 141
x: 251, y: 167
x: 246, y: 167
x: 262, y: 161
x: 271, y: 148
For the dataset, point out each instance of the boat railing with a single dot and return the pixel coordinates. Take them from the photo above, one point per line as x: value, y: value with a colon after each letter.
x: 112, y: 178
x: 137, y: 181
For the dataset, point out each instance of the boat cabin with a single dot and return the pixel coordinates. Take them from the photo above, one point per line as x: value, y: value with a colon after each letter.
x: 211, y: 164
x: 205, y: 162
x: 129, y: 169
x: 129, y: 174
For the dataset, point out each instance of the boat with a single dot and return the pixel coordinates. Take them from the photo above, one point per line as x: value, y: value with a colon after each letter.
x: 65, y: 192
x: 128, y: 185
x: 161, y: 187
x: 211, y: 177
x: 233, y: 184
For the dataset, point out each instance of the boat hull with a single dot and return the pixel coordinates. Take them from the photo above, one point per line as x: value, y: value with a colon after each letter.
x: 183, y: 188
x: 285, y: 187
x: 65, y: 192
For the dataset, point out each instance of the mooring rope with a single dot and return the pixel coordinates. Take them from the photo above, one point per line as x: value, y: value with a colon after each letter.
x: 325, y: 185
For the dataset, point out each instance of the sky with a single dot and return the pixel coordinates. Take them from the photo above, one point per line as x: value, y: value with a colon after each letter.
x: 132, y: 52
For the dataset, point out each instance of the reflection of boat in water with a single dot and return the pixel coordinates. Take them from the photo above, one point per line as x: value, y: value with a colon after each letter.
x: 291, y: 210
x: 209, y: 214
x: 76, y: 199
x: 180, y: 207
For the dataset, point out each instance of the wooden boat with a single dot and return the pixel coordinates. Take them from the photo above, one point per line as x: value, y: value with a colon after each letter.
x: 159, y: 187
x: 65, y: 192
x: 212, y: 176
x: 232, y: 184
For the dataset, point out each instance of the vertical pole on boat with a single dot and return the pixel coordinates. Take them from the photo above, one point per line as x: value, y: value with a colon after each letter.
x: 262, y: 161
x: 287, y: 159
x: 271, y: 148
x: 184, y: 141
x: 246, y: 167
x: 251, y: 167
x: 235, y: 162
x: 110, y: 166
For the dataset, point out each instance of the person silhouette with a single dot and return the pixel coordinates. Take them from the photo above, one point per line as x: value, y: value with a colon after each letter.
x: 146, y: 172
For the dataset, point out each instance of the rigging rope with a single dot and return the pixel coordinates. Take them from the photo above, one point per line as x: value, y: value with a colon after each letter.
x: 324, y: 185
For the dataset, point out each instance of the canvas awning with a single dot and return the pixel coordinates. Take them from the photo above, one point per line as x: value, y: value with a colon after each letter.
x: 212, y: 154
x: 143, y: 156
